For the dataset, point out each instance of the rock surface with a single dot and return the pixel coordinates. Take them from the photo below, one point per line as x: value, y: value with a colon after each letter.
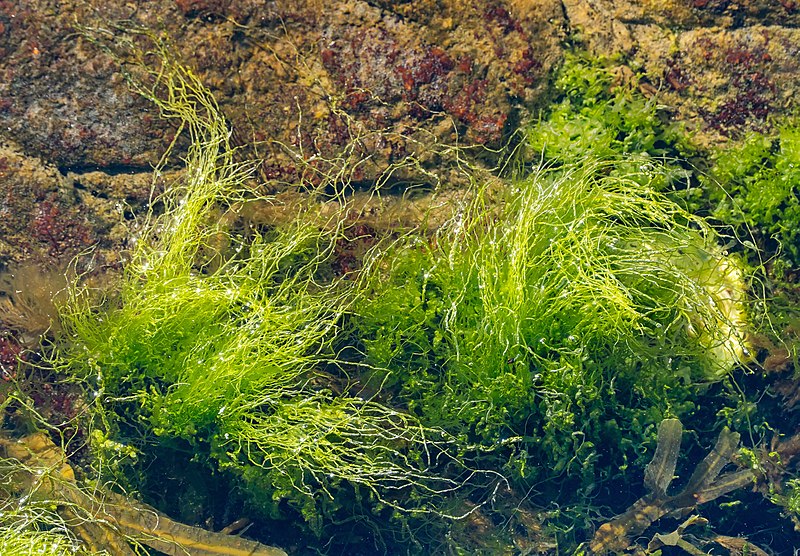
x: 362, y: 90
x: 723, y: 67
x: 317, y: 78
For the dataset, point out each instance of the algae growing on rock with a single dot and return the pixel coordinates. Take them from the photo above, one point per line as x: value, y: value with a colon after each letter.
x: 537, y: 336
x: 753, y: 184
x: 220, y: 337
x: 558, y: 317
x: 581, y: 297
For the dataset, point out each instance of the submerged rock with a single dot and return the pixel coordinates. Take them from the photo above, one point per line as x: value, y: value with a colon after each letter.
x: 314, y: 83
x: 349, y: 90
x: 724, y: 68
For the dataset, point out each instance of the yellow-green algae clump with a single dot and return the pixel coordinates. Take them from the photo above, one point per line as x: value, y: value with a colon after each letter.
x: 219, y: 337
x: 579, y: 301
x: 572, y: 307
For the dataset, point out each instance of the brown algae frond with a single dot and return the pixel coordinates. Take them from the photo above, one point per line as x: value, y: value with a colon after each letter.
x: 47, y: 495
x: 704, y: 485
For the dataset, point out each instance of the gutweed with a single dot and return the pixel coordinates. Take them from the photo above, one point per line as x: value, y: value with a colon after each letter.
x: 543, y: 331
x: 29, y: 540
x: 541, y: 317
x: 29, y: 521
x: 216, y: 337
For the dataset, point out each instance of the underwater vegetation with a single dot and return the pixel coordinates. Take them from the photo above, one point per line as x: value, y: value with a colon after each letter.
x: 91, y: 521
x: 599, y: 112
x: 705, y: 484
x: 748, y: 186
x: 760, y: 191
x: 538, y: 340
x: 556, y: 319
x: 580, y: 303
x: 218, y: 337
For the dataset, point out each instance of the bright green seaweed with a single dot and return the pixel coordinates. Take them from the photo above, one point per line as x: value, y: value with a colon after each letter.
x: 598, y: 114
x: 541, y: 333
x: 754, y: 185
x: 581, y: 299
x: 219, y: 337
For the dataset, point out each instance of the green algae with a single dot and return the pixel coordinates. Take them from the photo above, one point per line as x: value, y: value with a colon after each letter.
x: 790, y: 498
x: 599, y: 112
x: 754, y: 184
x: 541, y: 332
x: 32, y: 542
x: 30, y: 527
x: 218, y: 337
x: 746, y: 189
x: 570, y: 306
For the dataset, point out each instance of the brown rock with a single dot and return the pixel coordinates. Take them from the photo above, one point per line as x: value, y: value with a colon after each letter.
x: 318, y: 84
x: 50, y: 217
x: 723, y: 67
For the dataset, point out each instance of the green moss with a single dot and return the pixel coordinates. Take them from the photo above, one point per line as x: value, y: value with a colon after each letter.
x: 755, y: 186
x: 597, y: 114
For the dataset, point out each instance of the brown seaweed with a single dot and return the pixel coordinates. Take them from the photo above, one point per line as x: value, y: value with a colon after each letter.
x: 704, y: 485
x: 737, y: 546
x: 107, y: 522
